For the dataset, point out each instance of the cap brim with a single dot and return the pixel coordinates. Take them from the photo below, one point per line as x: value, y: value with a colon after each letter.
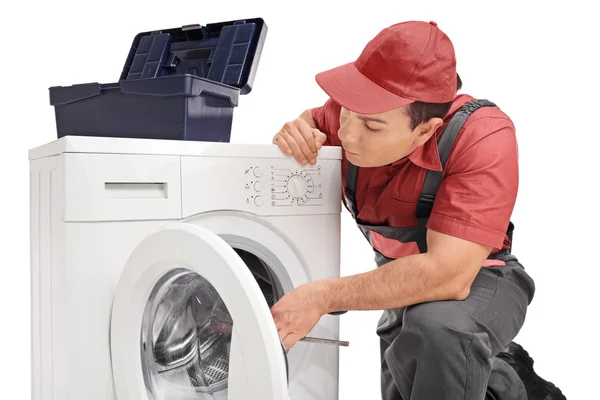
x: 353, y: 90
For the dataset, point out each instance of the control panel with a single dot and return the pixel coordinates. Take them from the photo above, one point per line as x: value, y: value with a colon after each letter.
x: 261, y: 185
x: 284, y: 186
x: 296, y: 186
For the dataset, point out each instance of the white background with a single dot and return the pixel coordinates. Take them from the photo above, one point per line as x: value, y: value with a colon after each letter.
x: 538, y: 62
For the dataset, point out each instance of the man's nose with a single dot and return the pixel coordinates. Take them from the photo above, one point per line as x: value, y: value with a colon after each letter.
x: 349, y: 131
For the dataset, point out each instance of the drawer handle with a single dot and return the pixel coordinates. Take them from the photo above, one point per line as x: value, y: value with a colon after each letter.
x: 136, y: 190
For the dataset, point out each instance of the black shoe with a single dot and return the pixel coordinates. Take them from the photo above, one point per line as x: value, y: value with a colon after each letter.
x: 536, y: 387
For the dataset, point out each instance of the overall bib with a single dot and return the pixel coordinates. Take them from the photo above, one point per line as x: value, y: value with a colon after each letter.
x: 445, y: 350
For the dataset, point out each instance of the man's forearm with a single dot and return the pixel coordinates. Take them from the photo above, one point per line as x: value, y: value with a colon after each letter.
x: 402, y: 282
x: 307, y: 116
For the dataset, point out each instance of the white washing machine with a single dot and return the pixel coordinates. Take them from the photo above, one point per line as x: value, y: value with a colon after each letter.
x: 154, y: 265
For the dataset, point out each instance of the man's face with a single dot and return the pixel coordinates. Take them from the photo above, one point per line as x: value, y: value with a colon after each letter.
x: 380, y: 139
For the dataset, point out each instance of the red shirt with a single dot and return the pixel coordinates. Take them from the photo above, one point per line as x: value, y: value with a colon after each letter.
x: 478, y: 192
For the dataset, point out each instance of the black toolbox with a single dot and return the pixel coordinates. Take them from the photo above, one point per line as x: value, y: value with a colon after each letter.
x: 180, y: 83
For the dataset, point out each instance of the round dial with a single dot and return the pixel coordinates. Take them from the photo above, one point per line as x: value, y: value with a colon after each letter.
x: 296, y: 186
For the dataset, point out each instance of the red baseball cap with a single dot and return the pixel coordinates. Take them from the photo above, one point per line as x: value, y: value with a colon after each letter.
x: 406, y: 62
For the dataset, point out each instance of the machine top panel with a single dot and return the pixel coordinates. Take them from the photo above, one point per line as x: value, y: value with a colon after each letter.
x: 105, y: 145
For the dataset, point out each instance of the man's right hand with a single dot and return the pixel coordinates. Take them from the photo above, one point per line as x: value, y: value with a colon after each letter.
x: 299, y: 139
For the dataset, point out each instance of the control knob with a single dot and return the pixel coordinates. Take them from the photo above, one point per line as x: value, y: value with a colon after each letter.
x: 296, y: 186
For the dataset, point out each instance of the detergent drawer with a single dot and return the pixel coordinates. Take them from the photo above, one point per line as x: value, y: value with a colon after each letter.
x: 121, y: 187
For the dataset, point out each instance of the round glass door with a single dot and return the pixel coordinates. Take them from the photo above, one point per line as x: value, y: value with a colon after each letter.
x: 187, y: 332
x: 191, y: 321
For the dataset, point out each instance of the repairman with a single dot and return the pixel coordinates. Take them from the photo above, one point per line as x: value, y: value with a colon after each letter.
x: 431, y: 178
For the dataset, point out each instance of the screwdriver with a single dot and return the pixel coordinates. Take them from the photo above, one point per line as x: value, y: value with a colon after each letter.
x: 325, y: 341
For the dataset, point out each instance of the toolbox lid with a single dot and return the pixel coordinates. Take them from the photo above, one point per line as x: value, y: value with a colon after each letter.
x: 224, y: 52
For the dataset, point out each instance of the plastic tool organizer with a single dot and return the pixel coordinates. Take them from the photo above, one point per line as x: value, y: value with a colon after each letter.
x: 180, y: 83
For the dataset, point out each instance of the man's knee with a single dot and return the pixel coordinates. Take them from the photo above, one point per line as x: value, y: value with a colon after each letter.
x: 437, y: 329
x: 437, y: 343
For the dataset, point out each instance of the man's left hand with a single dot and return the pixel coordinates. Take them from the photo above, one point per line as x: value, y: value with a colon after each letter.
x: 297, y: 313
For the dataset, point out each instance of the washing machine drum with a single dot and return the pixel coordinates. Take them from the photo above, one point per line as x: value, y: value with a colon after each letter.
x: 187, y: 332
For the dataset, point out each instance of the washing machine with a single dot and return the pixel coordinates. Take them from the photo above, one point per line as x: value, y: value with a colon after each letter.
x: 154, y: 264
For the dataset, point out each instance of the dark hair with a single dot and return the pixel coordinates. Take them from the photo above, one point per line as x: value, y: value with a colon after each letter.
x: 420, y: 112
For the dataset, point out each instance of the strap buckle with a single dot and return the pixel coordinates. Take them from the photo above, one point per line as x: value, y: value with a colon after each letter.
x: 427, y: 198
x: 425, y: 205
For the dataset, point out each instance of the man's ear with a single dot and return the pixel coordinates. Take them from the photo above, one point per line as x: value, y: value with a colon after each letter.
x: 426, y: 129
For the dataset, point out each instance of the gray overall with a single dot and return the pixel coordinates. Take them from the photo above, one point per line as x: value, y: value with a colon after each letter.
x: 446, y: 349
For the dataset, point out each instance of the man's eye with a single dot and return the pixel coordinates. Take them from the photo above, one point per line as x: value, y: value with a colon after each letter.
x: 372, y: 129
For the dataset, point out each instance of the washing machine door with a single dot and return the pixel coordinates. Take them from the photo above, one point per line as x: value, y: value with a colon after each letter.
x: 189, y: 322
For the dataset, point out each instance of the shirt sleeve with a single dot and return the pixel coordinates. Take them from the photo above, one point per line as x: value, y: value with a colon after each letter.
x: 476, y: 198
x: 327, y: 119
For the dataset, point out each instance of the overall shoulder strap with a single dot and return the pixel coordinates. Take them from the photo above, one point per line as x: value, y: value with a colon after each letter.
x: 433, y: 179
x: 350, y: 188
